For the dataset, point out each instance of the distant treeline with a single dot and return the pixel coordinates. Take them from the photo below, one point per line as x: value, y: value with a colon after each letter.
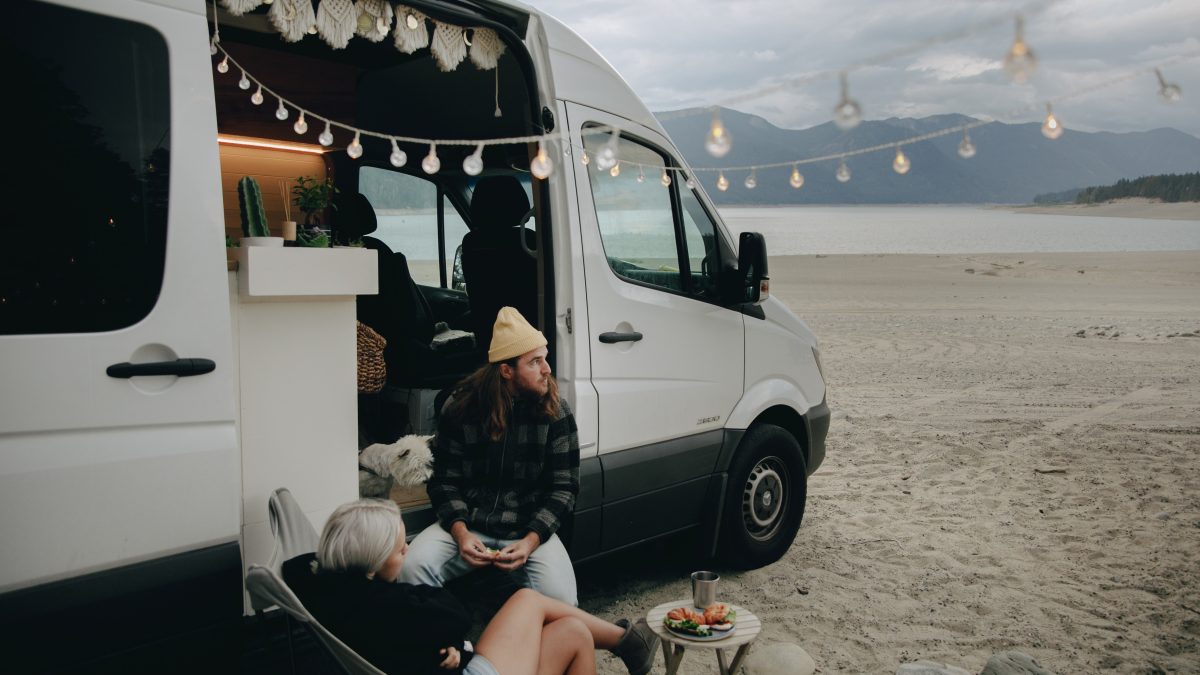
x: 1064, y: 197
x: 1169, y: 188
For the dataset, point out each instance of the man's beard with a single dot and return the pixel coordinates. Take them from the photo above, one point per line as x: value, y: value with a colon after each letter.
x: 539, y: 390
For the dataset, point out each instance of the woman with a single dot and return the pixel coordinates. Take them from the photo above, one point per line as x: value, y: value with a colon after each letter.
x: 349, y: 586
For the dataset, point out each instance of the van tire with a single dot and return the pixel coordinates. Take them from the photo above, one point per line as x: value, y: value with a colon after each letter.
x: 769, y: 468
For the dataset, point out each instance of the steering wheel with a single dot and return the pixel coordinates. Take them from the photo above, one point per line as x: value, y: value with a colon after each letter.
x: 521, y: 234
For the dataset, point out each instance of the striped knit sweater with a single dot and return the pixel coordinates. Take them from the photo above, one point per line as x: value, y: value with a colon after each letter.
x: 525, y: 482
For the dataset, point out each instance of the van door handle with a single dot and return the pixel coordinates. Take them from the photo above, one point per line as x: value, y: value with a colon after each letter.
x: 610, y: 337
x: 178, y: 367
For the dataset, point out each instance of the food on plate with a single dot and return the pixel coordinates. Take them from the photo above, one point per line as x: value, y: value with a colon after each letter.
x: 717, y: 616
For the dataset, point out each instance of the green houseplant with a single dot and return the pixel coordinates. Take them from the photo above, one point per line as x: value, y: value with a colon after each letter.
x: 312, y: 196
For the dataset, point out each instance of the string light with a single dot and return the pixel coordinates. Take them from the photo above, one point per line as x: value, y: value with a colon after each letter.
x: 966, y: 149
x: 641, y: 175
x: 1051, y: 127
x: 355, y: 147
x: 843, y: 172
x: 751, y: 181
x: 281, y: 113
x: 718, y: 142
x: 212, y: 45
x: 615, y: 170
x: 398, y: 158
x: 473, y: 164
x: 900, y: 164
x: 541, y: 166
x: 722, y: 182
x: 326, y: 137
x: 243, y: 83
x: 257, y: 97
x: 584, y: 159
x: 223, y: 66
x: 606, y: 158
x: 690, y: 183
x: 301, y: 125
x: 431, y: 164
x: 665, y: 179
x: 847, y: 113
x: 1020, y: 61
x: 1169, y: 91
x: 797, y: 179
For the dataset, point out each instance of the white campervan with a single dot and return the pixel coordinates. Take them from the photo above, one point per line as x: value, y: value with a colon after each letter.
x: 151, y: 396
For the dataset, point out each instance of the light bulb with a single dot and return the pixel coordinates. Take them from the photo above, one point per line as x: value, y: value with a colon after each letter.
x: 281, y: 113
x: 690, y: 183
x: 722, y: 182
x: 966, y: 149
x: 641, y: 175
x: 1051, y: 127
x: 355, y: 148
x: 1169, y: 91
x: 257, y: 98
x: 1020, y: 61
x: 567, y: 150
x: 615, y: 170
x: 843, y: 172
x: 326, y: 137
x: 584, y: 159
x: 431, y: 163
x: 398, y: 158
x: 718, y: 142
x: 244, y: 83
x: 900, y: 164
x: 212, y: 47
x: 751, y: 180
x: 223, y: 66
x: 606, y: 158
x: 665, y: 179
x: 797, y: 178
x: 847, y: 113
x: 541, y: 166
x: 473, y: 164
x: 301, y: 125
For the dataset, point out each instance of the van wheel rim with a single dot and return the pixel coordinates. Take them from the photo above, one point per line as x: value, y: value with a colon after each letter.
x: 764, y: 498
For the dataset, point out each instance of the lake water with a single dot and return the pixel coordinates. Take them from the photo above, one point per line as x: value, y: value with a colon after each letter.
x: 806, y: 230
x: 797, y: 230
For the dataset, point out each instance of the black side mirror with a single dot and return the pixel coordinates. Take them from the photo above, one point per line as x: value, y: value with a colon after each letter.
x: 752, y: 267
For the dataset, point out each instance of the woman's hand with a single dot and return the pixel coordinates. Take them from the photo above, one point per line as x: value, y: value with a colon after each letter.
x: 452, y: 658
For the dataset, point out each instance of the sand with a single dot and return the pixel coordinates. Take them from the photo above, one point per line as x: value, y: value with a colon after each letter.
x: 1012, y: 464
x: 1132, y: 207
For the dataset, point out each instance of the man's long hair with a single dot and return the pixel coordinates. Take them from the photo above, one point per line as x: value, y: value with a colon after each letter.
x: 486, y: 398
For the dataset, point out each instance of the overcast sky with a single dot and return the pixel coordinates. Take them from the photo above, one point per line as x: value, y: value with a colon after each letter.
x: 684, y: 53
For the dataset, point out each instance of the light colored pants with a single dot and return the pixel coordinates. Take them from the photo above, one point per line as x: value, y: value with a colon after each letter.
x: 433, y: 559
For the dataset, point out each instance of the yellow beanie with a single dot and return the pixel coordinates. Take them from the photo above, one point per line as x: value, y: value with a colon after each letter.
x: 512, y: 336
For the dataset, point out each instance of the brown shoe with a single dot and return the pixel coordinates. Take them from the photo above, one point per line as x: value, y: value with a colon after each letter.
x: 637, y: 646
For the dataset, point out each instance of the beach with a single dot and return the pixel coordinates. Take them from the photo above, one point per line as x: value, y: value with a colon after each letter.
x: 1012, y: 464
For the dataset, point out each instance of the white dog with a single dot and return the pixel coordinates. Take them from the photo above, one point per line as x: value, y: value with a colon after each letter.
x: 407, y: 462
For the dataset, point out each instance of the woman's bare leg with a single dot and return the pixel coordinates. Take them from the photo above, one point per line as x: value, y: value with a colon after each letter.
x: 506, y: 640
x: 567, y: 647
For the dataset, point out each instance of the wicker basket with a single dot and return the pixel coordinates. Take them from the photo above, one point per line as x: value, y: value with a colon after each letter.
x: 372, y: 369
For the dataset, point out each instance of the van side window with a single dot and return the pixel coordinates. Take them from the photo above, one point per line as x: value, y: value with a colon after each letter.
x: 406, y: 207
x: 637, y: 223
x: 703, y: 245
x: 85, y: 228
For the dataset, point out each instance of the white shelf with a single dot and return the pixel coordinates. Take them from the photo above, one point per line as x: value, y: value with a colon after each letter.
x: 266, y: 273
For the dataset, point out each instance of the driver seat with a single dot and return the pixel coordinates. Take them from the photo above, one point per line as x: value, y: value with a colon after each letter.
x: 496, y: 267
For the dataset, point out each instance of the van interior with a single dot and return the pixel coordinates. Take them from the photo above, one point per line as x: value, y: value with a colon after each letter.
x: 453, y: 247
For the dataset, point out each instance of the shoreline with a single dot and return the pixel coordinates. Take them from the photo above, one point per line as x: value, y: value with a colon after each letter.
x: 1137, y: 208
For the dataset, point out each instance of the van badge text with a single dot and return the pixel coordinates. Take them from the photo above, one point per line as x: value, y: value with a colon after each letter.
x: 706, y: 420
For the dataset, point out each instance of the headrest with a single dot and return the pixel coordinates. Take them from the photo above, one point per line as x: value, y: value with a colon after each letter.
x: 498, y: 202
x: 354, y: 216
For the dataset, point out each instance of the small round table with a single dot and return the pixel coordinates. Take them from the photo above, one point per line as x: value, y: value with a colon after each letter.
x: 674, y: 646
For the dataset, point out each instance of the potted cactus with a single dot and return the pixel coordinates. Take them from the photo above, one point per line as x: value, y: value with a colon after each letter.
x: 254, y: 217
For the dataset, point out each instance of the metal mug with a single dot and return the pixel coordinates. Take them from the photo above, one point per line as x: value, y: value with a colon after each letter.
x: 704, y: 588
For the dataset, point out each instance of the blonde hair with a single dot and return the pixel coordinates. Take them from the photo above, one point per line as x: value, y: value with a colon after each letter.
x: 359, y: 536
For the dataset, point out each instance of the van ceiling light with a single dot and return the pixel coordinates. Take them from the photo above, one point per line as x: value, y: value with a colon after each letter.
x: 691, y: 183
x: 243, y: 83
x: 248, y: 142
x: 843, y: 172
x: 641, y: 174
x: 615, y: 170
x: 326, y: 137
x: 223, y: 66
x: 1051, y: 127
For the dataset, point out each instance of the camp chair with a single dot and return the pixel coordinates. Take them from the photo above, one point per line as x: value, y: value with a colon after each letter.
x: 294, y: 534
x: 266, y: 585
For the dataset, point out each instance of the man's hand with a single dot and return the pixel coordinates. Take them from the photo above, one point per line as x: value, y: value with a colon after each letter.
x: 472, y: 550
x: 452, y: 658
x: 517, y: 553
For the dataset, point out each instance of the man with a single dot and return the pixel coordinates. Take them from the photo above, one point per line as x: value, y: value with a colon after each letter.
x: 505, y: 471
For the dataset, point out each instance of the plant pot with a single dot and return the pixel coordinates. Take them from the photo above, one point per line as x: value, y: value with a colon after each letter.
x: 262, y: 241
x: 289, y: 230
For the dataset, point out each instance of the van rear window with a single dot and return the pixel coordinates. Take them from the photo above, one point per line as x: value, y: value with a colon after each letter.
x: 86, y: 170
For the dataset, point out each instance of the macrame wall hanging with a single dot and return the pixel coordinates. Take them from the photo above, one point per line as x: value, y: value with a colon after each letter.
x: 411, y: 32
x: 292, y: 18
x: 336, y: 21
x: 449, y: 46
x: 374, y: 19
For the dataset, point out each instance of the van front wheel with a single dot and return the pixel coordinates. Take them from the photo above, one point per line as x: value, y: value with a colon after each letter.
x: 764, y: 502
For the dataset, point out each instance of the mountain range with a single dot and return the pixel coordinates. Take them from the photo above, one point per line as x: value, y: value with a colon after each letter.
x: 1013, y: 162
